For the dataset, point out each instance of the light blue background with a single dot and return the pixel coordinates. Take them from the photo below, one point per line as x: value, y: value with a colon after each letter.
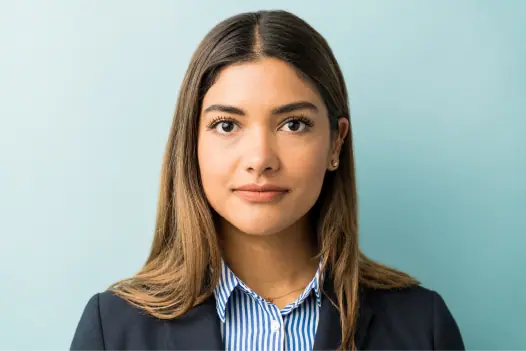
x: 438, y: 105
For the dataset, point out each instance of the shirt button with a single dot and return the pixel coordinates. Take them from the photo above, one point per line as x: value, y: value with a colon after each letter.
x: 274, y: 325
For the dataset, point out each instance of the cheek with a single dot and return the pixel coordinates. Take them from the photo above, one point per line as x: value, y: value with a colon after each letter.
x: 307, y: 172
x: 308, y: 162
x: 306, y: 167
x: 214, y: 164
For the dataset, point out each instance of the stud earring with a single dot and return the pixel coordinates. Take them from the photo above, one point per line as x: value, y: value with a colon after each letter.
x: 334, y: 163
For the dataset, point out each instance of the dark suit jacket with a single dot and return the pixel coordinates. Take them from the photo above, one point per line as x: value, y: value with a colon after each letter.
x: 415, y: 318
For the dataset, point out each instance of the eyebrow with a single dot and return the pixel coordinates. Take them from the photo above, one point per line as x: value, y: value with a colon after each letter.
x: 294, y: 106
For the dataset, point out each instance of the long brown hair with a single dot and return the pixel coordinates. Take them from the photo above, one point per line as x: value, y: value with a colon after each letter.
x: 177, y: 274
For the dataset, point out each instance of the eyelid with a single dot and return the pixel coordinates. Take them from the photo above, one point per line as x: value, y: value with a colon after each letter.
x: 216, y: 120
x: 301, y: 118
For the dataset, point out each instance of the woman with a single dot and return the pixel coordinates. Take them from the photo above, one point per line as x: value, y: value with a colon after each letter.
x: 256, y: 241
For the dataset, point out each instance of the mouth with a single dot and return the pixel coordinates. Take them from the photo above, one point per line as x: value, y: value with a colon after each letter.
x: 260, y: 193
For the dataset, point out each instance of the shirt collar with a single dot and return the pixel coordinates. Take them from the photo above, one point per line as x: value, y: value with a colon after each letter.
x: 228, y: 281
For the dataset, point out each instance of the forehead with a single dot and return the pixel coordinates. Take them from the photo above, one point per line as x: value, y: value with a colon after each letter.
x: 263, y: 84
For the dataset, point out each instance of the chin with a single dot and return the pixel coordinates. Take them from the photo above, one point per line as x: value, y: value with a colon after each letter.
x: 262, y: 228
x: 262, y: 221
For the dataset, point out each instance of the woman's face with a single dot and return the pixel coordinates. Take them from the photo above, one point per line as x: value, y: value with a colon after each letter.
x: 264, y: 146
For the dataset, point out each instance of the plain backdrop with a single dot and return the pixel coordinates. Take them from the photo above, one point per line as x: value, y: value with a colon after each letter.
x: 87, y: 93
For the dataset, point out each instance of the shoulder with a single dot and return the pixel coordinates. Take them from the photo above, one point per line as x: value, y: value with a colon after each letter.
x: 416, y: 297
x: 109, y: 321
x: 110, y: 304
x: 415, y: 311
x: 115, y: 312
x: 415, y: 303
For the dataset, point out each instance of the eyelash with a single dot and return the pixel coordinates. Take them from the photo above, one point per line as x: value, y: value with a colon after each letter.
x: 213, y: 123
x: 300, y: 118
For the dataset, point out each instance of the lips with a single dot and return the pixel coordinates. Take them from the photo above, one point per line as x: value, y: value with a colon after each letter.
x: 261, y: 188
x: 260, y: 193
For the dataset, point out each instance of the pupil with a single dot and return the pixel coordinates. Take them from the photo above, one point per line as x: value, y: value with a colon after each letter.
x: 227, y: 126
x: 294, y: 125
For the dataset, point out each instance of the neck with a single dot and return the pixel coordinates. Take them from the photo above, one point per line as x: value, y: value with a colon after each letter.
x: 272, y: 265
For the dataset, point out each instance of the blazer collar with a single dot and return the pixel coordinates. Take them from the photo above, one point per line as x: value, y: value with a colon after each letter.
x: 199, y: 328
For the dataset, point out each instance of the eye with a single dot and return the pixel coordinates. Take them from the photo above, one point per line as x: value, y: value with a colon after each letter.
x: 223, y: 125
x: 297, y: 124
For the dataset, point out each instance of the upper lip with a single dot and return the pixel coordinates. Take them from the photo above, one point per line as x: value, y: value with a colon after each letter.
x: 260, y: 188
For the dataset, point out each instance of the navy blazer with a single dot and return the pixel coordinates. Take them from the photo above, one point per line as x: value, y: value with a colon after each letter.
x: 401, y: 319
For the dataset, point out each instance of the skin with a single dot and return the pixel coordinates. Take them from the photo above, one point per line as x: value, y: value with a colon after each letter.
x: 267, y: 245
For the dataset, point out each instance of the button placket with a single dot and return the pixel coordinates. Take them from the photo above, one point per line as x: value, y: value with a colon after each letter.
x: 277, y: 328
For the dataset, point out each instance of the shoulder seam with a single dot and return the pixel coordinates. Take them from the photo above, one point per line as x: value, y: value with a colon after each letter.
x: 433, y: 322
x: 100, y: 322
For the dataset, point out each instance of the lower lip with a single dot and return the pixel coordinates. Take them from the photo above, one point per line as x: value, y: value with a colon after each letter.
x: 259, y: 196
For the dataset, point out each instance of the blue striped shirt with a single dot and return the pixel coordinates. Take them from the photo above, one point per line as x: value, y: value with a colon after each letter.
x: 249, y: 322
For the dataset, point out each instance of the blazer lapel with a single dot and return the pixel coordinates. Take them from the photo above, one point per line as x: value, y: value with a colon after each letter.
x: 365, y: 316
x: 328, y: 334
x: 198, y: 329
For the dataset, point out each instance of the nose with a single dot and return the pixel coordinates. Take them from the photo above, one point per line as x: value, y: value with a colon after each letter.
x: 260, y: 155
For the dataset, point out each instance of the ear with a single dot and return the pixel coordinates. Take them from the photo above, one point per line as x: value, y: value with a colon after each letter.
x: 337, y: 142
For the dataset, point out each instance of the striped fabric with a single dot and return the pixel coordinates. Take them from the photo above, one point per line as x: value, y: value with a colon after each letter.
x: 249, y: 322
